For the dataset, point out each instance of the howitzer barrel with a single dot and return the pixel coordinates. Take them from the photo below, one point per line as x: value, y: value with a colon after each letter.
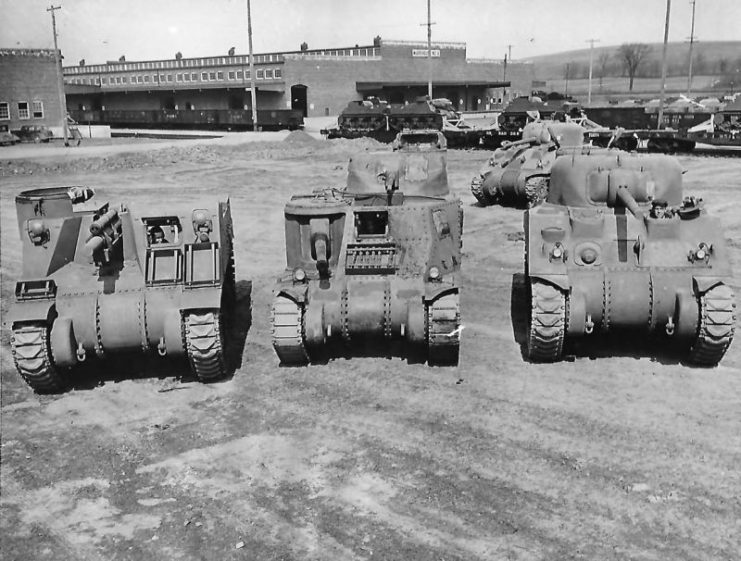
x: 99, y: 225
x: 95, y: 244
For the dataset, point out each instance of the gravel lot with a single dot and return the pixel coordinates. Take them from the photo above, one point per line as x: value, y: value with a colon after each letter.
x: 600, y: 457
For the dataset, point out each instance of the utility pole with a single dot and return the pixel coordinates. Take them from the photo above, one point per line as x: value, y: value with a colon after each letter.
x: 429, y: 25
x: 504, y: 78
x: 60, y: 76
x: 252, y: 69
x: 692, y: 40
x: 509, y: 52
x: 568, y: 70
x: 663, y: 65
x: 591, y: 58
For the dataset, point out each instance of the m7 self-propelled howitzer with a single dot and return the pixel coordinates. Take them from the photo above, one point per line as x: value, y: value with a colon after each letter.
x: 616, y: 246
x: 97, y: 281
x: 376, y: 262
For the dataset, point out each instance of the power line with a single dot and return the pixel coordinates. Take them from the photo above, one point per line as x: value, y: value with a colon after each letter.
x: 60, y: 77
x: 692, y: 40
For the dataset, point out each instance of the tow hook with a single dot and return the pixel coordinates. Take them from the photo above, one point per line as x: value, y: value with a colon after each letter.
x: 81, y: 355
x: 588, y: 325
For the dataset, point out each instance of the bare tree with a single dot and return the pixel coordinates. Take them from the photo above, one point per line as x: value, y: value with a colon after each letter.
x: 602, y: 61
x: 632, y: 54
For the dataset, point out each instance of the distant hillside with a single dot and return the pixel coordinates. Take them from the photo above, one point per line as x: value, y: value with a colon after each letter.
x: 710, y: 58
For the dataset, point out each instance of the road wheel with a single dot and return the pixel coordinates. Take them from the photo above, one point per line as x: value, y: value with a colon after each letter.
x: 36, y: 139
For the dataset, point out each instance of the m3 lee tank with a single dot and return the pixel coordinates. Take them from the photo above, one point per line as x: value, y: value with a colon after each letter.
x: 616, y: 246
x: 376, y: 262
x: 517, y: 174
x: 97, y: 281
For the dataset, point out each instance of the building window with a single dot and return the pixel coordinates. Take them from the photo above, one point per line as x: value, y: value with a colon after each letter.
x: 239, y: 74
x: 204, y: 76
x: 139, y: 80
x: 186, y: 77
x: 162, y: 77
x: 219, y: 75
x: 178, y: 77
x: 146, y: 78
x: 133, y: 79
x: 125, y: 79
x: 268, y: 73
x: 193, y: 76
x: 4, y: 110
x: 38, y: 109
x: 278, y: 73
x: 169, y: 77
x: 104, y: 81
x: 231, y: 74
x: 246, y: 74
x: 260, y: 73
x: 23, y: 110
x: 212, y: 75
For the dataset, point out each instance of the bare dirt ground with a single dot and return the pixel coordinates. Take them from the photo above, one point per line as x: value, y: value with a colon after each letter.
x: 616, y: 457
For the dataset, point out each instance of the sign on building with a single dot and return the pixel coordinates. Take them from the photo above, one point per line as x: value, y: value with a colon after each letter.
x: 423, y: 53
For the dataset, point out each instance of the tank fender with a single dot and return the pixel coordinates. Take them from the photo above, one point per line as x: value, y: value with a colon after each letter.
x: 577, y: 319
x: 297, y: 293
x: 433, y: 291
x: 200, y: 299
x: 172, y: 328
x: 703, y: 284
x: 559, y: 281
x: 687, y: 314
x: 42, y: 310
x: 416, y: 322
x: 315, y: 330
x: 63, y: 342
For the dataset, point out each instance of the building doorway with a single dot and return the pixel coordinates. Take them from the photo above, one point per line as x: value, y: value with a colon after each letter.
x: 298, y: 98
x: 396, y: 96
x: 236, y: 102
x: 168, y: 103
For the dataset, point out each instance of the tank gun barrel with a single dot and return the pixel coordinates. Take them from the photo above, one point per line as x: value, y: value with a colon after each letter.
x: 624, y: 195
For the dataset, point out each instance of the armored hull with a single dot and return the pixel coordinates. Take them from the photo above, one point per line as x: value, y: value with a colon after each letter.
x: 518, y: 173
x: 97, y: 281
x: 374, y: 267
x: 616, y: 247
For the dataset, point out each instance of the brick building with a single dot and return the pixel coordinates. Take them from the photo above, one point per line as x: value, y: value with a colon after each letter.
x: 28, y: 88
x: 319, y: 82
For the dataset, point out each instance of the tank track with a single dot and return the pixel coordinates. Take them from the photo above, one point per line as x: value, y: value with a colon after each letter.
x: 287, y: 330
x: 548, y: 315
x: 716, y: 326
x: 536, y: 190
x: 202, y: 335
x: 32, y: 358
x: 443, y: 331
x: 478, y: 192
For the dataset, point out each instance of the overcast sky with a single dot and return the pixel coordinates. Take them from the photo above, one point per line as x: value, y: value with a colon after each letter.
x: 100, y: 30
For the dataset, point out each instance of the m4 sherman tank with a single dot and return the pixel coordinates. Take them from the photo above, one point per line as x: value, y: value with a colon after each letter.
x: 615, y: 247
x: 375, y: 264
x: 97, y: 281
x: 517, y: 173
